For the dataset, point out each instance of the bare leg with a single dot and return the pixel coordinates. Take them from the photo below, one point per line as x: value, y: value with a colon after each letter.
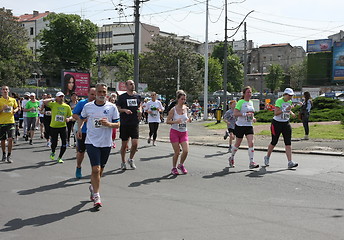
x: 288, y: 152
x: 176, y: 150
x: 123, y: 150
x: 133, y: 149
x: 95, y: 178
x: 185, y: 147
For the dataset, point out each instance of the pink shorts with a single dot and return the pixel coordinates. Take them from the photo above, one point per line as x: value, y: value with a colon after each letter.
x: 179, y: 137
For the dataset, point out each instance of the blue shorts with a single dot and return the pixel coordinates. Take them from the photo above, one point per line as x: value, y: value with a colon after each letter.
x: 98, y: 155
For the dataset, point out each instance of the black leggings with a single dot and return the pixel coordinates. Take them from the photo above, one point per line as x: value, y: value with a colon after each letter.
x: 153, y: 129
x: 46, y: 123
x: 280, y: 127
x: 54, y: 133
x: 70, y: 126
x: 305, y: 118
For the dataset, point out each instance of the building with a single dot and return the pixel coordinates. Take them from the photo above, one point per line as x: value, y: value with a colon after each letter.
x: 34, y: 23
x: 260, y: 59
x: 338, y: 37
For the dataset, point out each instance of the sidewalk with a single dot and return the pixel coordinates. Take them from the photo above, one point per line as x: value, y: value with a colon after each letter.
x: 200, y: 135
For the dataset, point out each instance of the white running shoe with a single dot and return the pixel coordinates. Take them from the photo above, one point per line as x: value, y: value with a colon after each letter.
x: 292, y: 164
x: 97, y: 203
x: 123, y: 166
x: 131, y: 163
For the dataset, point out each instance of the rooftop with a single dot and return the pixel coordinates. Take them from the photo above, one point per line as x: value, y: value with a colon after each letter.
x: 32, y: 17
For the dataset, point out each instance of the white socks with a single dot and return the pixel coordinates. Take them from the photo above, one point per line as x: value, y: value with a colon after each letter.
x: 251, y: 154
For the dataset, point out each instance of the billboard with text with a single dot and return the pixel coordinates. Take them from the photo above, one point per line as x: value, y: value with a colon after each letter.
x: 78, y: 82
x: 321, y: 45
x: 338, y: 61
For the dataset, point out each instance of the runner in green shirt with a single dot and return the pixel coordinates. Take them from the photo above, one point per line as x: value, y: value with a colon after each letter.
x: 60, y: 114
x: 32, y: 108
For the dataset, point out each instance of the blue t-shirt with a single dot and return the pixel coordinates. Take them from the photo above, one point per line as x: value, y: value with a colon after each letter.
x: 78, y: 109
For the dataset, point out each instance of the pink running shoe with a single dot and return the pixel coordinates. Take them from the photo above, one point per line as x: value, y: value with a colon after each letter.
x: 182, y: 168
x: 174, y: 171
x: 253, y: 165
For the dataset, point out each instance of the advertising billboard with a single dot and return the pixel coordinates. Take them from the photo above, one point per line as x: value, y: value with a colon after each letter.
x: 338, y: 61
x: 321, y: 45
x: 78, y: 82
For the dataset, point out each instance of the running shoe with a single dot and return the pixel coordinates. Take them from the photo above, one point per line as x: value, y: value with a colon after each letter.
x: 59, y: 160
x: 231, y: 162
x: 97, y: 203
x: 4, y: 157
x: 52, y: 156
x: 30, y: 141
x: 253, y: 165
x: 131, y: 163
x: 78, y: 173
x: 148, y: 140
x: 9, y: 159
x: 182, y: 168
x: 267, y: 161
x: 154, y: 144
x: 91, y: 192
x: 226, y: 135
x: 123, y: 166
x: 174, y: 171
x: 292, y: 164
x: 26, y: 137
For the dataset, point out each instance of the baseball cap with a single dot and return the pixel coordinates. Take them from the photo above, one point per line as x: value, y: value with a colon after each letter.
x: 32, y: 94
x: 26, y: 94
x: 58, y: 94
x: 289, y: 91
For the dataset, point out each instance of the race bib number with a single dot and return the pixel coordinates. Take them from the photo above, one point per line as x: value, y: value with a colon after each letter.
x: 249, y: 118
x: 285, y: 115
x: 48, y: 113
x: 97, y: 123
x: 182, y: 125
x: 8, y: 109
x: 154, y: 115
x: 34, y: 110
x: 132, y: 102
x: 59, y: 118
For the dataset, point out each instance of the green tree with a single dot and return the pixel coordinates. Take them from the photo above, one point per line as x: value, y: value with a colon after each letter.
x: 123, y: 62
x: 15, y: 58
x: 275, y: 77
x: 235, y: 74
x: 214, y: 74
x: 67, y: 43
x: 298, y: 75
x: 159, y: 67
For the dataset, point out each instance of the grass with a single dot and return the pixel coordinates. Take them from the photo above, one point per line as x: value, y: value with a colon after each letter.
x: 317, y: 132
x: 223, y: 125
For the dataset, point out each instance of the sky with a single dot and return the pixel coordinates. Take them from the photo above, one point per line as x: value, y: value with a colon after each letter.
x: 288, y: 21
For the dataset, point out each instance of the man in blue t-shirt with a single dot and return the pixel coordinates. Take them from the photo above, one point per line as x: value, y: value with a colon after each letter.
x: 81, y: 148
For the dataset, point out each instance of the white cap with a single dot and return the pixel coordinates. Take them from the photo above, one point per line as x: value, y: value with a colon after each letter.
x: 32, y: 94
x: 58, y: 94
x: 289, y: 91
x: 26, y: 94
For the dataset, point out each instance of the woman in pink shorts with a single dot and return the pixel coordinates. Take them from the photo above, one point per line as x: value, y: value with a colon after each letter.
x: 178, y: 117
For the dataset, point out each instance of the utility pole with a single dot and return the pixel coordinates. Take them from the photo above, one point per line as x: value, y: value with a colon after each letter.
x: 245, y: 55
x: 99, y: 72
x: 136, y: 43
x: 206, y: 66
x: 225, y: 60
x: 178, y: 77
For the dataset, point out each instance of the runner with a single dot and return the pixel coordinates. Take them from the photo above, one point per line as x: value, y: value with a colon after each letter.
x: 244, y: 111
x: 46, y: 121
x: 101, y: 117
x: 8, y: 107
x: 153, y: 108
x: 23, y: 104
x: 32, y: 109
x: 60, y: 115
x: 129, y: 106
x: 230, y: 120
x: 305, y: 112
x: 81, y: 148
x: 195, y: 107
x: 41, y: 114
x: 70, y: 125
x: 178, y: 117
x: 280, y: 124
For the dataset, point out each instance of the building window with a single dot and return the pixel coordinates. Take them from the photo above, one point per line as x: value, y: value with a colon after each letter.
x: 31, y: 30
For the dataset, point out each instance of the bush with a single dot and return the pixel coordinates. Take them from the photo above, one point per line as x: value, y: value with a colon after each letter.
x: 264, y: 116
x: 324, y: 102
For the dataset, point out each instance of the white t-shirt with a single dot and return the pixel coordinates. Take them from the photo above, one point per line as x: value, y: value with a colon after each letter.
x: 98, y: 135
x: 155, y: 115
x: 244, y: 107
x: 41, y: 105
x: 23, y: 105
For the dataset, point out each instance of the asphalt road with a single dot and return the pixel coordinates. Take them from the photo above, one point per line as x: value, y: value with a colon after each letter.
x: 41, y: 199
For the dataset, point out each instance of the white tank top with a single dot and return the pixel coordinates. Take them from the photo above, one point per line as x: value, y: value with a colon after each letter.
x: 181, y: 127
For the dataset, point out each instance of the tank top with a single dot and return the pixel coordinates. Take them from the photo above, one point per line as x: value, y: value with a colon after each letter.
x: 181, y: 127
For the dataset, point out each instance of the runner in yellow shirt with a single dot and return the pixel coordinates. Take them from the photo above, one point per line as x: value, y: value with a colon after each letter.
x: 8, y: 107
x: 60, y: 114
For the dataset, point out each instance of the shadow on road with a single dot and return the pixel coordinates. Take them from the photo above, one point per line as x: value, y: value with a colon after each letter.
x: 63, y: 184
x: 224, y: 172
x: 18, y: 223
x: 156, y: 157
x: 38, y: 165
x: 215, y: 155
x: 262, y: 171
x: 152, y: 180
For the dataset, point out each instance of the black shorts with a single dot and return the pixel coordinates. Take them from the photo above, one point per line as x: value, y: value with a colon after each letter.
x: 98, y: 155
x: 31, y: 123
x: 230, y: 130
x: 128, y: 131
x: 7, y: 131
x: 280, y: 127
x: 81, y: 143
x: 240, y: 131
